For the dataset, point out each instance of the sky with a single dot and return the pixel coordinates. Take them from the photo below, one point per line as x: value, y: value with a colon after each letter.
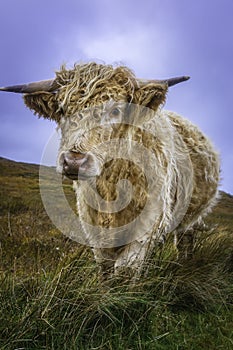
x: 155, y: 38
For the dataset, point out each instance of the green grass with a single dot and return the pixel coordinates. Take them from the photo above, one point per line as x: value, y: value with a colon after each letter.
x: 50, y: 296
x: 177, y: 306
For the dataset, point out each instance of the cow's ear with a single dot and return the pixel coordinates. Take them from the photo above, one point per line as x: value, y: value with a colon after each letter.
x: 43, y: 104
x: 151, y: 95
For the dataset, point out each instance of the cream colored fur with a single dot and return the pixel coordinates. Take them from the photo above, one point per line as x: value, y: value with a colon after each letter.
x: 175, y: 181
x: 185, y: 176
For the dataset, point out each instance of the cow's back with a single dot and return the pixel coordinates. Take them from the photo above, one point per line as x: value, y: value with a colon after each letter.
x: 205, y: 164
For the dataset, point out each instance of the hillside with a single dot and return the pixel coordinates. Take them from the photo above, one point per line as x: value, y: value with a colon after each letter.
x: 19, y: 186
x: 24, y: 224
x: 50, y: 296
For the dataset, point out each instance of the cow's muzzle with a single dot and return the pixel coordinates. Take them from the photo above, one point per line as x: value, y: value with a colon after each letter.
x: 75, y: 165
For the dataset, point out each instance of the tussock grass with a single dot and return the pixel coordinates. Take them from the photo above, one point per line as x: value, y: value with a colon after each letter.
x: 64, y: 306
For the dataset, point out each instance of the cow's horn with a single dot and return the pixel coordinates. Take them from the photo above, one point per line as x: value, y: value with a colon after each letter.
x: 43, y: 85
x: 174, y: 81
x: 169, y: 82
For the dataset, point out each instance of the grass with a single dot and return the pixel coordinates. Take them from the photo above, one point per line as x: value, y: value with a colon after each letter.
x: 50, y: 296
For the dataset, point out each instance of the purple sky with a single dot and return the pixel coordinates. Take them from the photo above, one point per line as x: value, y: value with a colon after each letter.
x: 156, y: 38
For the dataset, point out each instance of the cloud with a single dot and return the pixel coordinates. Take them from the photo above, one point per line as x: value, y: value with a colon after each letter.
x: 140, y: 47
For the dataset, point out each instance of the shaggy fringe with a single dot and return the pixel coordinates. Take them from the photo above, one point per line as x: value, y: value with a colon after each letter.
x: 92, y: 84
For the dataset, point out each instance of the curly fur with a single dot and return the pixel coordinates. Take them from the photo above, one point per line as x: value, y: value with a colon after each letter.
x: 87, y: 85
x: 186, y: 167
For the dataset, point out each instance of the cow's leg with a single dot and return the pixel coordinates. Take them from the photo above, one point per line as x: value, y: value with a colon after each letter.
x: 132, y: 258
x: 106, y: 258
x: 129, y: 259
x: 184, y: 241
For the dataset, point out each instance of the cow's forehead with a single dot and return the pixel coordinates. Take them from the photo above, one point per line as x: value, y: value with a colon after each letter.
x: 73, y: 102
x: 89, y: 85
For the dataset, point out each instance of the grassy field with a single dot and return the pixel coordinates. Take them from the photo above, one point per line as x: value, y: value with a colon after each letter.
x: 50, y: 297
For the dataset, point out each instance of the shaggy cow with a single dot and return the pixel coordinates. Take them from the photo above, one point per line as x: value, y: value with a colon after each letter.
x: 114, y: 132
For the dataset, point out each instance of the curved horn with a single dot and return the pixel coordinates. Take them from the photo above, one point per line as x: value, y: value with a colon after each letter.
x: 43, y: 85
x: 169, y: 82
x: 177, y: 80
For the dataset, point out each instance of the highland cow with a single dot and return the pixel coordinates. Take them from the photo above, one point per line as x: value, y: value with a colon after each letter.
x: 115, y: 132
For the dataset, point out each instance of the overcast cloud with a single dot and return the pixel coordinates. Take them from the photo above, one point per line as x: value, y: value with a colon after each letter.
x: 156, y: 39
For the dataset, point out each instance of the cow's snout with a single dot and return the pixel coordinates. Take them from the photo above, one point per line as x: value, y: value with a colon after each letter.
x: 75, y: 165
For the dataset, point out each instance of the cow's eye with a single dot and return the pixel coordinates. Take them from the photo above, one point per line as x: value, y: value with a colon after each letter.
x: 73, y: 124
x: 115, y: 112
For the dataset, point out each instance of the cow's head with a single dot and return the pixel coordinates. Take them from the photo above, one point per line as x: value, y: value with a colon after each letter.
x: 91, y: 103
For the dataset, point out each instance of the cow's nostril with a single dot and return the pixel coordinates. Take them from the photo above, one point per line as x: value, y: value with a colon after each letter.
x: 74, y: 163
x: 65, y: 162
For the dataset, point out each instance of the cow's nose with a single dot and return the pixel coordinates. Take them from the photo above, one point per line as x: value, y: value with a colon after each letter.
x: 74, y: 163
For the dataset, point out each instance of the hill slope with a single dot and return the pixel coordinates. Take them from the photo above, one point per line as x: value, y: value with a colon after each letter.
x: 25, y: 228
x: 50, y: 297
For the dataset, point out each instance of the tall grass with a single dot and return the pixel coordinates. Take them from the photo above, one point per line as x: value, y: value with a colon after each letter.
x: 51, y: 298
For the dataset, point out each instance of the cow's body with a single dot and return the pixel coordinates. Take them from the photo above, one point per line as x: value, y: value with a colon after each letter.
x: 200, y: 167
x: 112, y: 130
